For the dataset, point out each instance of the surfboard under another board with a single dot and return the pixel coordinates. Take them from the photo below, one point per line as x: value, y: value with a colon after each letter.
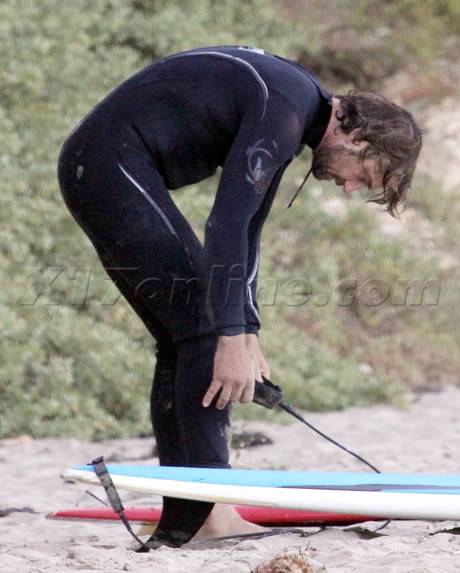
x: 381, y: 495
x: 261, y: 515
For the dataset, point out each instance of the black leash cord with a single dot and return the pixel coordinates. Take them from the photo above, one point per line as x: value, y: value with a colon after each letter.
x: 300, y: 188
x: 288, y: 409
x: 270, y: 395
x: 97, y: 498
x: 114, y: 499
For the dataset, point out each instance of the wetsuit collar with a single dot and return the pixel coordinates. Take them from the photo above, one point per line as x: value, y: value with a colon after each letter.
x: 315, y: 129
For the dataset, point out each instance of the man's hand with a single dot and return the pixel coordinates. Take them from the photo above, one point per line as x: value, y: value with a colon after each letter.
x: 252, y: 344
x: 234, y: 373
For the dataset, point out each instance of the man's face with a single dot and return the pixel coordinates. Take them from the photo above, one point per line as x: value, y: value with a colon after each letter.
x: 340, y: 162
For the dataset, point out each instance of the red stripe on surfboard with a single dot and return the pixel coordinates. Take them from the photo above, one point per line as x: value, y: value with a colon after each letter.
x: 259, y: 515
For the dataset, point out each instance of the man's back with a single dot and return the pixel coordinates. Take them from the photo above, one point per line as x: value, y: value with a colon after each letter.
x: 186, y: 109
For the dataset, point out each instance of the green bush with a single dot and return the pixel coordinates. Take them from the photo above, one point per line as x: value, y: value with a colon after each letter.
x: 77, y: 361
x: 71, y: 364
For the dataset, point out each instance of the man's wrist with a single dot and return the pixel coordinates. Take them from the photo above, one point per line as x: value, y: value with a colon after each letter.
x: 235, y: 340
x: 251, y: 336
x: 230, y: 330
x: 251, y: 329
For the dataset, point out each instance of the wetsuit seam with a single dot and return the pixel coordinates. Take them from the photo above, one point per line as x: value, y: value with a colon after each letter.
x: 250, y: 281
x: 152, y: 202
x: 237, y: 61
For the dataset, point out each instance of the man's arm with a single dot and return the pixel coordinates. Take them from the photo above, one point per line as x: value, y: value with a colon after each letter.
x: 265, y: 141
x: 255, y: 160
x: 251, y: 308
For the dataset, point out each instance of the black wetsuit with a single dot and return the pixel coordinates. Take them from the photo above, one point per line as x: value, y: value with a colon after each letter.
x: 172, y: 124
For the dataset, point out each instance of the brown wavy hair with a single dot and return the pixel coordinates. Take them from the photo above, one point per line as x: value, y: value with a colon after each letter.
x: 393, y: 137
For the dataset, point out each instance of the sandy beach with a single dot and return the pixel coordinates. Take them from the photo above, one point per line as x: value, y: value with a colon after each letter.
x: 425, y: 438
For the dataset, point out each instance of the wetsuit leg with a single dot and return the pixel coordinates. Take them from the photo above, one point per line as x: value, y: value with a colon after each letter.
x: 189, y: 515
x: 201, y: 425
x: 165, y: 425
x: 145, y: 243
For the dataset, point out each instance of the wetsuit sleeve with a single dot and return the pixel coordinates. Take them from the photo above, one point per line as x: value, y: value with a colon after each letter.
x: 251, y: 307
x: 263, y: 144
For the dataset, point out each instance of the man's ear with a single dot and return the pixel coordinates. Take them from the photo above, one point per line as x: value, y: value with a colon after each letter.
x: 353, y: 138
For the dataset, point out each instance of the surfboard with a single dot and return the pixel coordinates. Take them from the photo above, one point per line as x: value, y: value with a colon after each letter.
x: 402, y: 496
x: 281, y: 478
x: 260, y: 515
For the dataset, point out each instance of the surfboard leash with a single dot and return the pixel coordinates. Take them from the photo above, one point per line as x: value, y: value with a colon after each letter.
x: 266, y: 394
x: 114, y: 499
x: 270, y: 395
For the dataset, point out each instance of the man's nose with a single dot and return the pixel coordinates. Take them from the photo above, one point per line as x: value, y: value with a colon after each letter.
x: 350, y: 186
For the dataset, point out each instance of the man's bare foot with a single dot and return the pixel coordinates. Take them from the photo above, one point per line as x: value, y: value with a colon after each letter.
x: 225, y: 520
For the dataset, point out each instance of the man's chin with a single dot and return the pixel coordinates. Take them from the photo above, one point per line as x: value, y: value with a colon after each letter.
x: 320, y: 175
x: 319, y: 171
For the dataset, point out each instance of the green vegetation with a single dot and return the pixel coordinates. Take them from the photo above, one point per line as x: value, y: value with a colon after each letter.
x: 416, y: 28
x: 75, y: 359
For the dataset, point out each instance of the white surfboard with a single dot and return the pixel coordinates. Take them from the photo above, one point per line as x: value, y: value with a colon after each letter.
x: 389, y: 504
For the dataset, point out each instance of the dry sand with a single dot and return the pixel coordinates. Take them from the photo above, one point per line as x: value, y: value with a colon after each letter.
x: 425, y: 438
